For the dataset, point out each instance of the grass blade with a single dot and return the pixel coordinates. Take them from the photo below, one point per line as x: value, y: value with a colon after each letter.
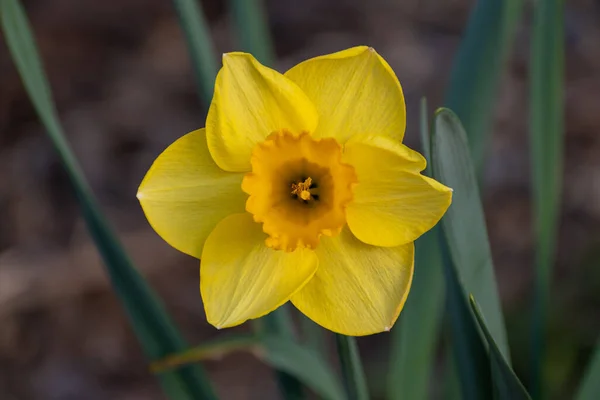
x: 304, y: 364
x: 313, y: 336
x: 153, y: 327
x: 469, y: 353
x: 352, y: 369
x: 425, y: 134
x: 507, y: 385
x: 478, y: 68
x: 412, y: 349
x: 284, y: 354
x: 415, y: 339
x: 590, y: 385
x: 213, y: 349
x: 250, y: 21
x: 546, y: 143
x: 464, y: 224
x: 451, y: 389
x: 200, y: 47
x: 279, y: 324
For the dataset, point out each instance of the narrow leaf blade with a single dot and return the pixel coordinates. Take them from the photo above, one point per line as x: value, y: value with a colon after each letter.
x: 590, y: 385
x: 546, y: 144
x: 278, y: 351
x: 303, y: 364
x: 473, y: 368
x: 212, y: 349
x: 157, y: 335
x: 478, y: 67
x: 353, y: 374
x: 507, y: 385
x: 464, y: 224
x: 197, y: 36
x: 279, y: 324
x: 250, y: 22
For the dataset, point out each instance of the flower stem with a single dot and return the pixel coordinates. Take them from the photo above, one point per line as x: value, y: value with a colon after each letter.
x: 279, y: 323
x: 352, y: 369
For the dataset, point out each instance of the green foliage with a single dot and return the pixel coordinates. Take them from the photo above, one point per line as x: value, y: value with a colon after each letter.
x: 279, y: 323
x: 470, y: 359
x: 250, y: 22
x: 353, y: 374
x: 211, y: 349
x: 546, y: 144
x: 304, y: 364
x: 467, y: 267
x: 467, y: 258
x: 154, y: 329
x: 277, y: 351
x: 506, y: 384
x: 464, y: 223
x: 590, y: 385
x: 478, y: 67
x: 200, y: 47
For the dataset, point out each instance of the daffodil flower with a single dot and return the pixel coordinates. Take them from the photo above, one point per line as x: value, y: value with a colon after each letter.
x: 299, y: 189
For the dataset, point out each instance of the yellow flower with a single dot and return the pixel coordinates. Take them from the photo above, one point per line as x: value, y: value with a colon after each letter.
x: 299, y: 188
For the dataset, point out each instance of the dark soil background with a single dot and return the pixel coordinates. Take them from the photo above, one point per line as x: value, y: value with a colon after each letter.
x: 124, y: 90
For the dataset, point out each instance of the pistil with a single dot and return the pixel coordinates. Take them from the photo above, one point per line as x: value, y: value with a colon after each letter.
x: 302, y: 189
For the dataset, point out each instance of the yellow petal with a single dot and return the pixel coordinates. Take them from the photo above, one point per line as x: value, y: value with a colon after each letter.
x: 355, y: 91
x: 393, y: 203
x: 358, y: 289
x: 250, y: 102
x: 241, y: 278
x: 185, y: 194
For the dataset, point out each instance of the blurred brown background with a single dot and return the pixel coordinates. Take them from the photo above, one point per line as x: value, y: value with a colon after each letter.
x: 123, y: 85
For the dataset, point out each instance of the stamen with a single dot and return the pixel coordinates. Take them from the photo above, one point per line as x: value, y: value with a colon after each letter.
x: 302, y: 189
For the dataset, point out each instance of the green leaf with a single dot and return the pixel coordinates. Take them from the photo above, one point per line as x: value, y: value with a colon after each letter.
x: 478, y: 67
x: 451, y: 384
x: 304, y: 364
x: 250, y: 22
x: 590, y: 384
x: 212, y: 349
x: 425, y: 134
x: 353, y: 374
x: 313, y: 336
x: 278, y: 351
x: 473, y: 368
x: 415, y: 339
x: 507, y: 385
x: 279, y: 324
x: 150, y: 322
x: 200, y: 47
x: 546, y: 144
x: 464, y: 223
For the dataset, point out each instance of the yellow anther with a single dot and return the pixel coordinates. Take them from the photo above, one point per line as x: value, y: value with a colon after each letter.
x: 302, y: 189
x: 305, y: 195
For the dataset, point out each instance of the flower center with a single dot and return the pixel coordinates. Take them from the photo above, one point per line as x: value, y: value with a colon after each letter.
x: 302, y: 190
x: 298, y: 188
